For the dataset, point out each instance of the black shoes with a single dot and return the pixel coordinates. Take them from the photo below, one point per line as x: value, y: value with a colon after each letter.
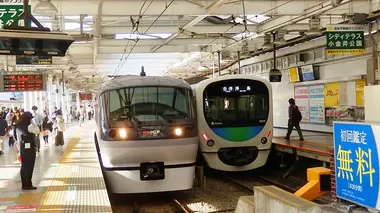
x: 29, y: 188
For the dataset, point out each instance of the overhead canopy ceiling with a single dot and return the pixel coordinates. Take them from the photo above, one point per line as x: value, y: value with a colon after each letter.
x: 174, y: 37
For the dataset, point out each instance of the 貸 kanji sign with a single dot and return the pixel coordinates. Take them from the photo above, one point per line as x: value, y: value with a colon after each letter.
x: 357, y: 162
x: 344, y: 39
x: 9, y: 13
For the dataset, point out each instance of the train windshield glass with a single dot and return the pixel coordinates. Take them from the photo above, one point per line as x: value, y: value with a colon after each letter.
x: 144, y: 104
x: 236, y: 103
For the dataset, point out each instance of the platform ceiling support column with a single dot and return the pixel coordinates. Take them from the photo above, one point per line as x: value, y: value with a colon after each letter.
x: 219, y: 67
x: 239, y: 62
x: 78, y: 100
x: 49, y: 93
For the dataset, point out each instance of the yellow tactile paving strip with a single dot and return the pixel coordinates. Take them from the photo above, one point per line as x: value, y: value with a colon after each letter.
x: 78, y: 185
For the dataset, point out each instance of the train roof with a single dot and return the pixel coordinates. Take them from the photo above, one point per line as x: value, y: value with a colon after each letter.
x: 136, y: 81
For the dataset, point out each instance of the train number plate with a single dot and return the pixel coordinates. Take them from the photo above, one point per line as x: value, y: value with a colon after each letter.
x: 152, y: 171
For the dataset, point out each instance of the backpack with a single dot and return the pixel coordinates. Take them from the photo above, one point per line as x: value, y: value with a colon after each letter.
x: 297, y: 116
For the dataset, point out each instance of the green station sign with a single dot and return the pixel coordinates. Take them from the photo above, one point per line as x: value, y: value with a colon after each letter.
x: 344, y: 39
x: 9, y: 13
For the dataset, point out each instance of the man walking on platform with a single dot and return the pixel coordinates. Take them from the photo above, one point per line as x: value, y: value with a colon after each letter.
x: 295, y: 118
x: 37, y: 121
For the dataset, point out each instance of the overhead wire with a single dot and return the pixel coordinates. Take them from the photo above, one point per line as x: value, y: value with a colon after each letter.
x: 134, y: 26
x: 133, y: 47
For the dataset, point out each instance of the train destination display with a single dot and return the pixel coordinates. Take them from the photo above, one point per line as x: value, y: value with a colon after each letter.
x: 22, y: 82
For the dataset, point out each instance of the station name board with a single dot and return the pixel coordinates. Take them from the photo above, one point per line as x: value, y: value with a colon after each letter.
x: 22, y: 82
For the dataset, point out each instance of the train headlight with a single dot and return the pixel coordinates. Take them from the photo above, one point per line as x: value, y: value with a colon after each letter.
x: 264, y: 140
x: 123, y: 133
x: 178, y: 131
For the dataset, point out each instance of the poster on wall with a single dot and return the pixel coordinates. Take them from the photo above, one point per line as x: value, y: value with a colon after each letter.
x: 294, y: 75
x: 301, y: 96
x: 359, y: 87
x: 332, y: 94
x: 317, y: 104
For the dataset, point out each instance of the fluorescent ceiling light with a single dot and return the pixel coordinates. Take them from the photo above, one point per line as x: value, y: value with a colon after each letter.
x: 45, y: 7
x: 45, y: 24
x: 78, y: 17
x: 76, y: 26
x: 244, y: 35
x: 257, y: 18
x: 139, y: 36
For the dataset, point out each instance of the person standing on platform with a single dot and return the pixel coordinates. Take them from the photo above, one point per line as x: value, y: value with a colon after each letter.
x: 15, y: 122
x: 47, y: 126
x: 295, y: 118
x: 3, y: 131
x: 26, y: 145
x: 59, y: 141
x: 38, y: 121
x: 82, y: 114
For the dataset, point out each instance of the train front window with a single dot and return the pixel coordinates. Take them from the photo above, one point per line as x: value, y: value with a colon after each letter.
x: 144, y: 104
x: 234, y: 103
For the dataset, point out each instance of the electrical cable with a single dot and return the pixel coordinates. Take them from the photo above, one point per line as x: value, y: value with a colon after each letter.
x: 134, y: 26
x: 133, y: 47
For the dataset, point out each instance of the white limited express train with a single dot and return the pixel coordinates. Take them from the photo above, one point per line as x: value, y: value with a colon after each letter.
x: 146, y: 134
x: 235, y: 121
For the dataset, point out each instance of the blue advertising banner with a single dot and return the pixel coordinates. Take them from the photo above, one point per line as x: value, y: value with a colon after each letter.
x: 357, y: 163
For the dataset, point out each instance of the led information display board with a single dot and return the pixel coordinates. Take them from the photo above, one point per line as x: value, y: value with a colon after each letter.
x: 22, y: 82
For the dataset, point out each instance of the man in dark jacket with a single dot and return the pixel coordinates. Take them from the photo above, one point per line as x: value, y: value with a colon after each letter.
x: 295, y: 118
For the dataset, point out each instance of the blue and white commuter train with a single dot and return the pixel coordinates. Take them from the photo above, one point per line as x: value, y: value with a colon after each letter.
x: 146, y: 134
x: 235, y: 121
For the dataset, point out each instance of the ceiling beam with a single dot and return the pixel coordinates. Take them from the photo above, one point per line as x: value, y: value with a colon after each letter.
x: 182, y: 7
x: 283, y: 21
x: 148, y: 49
x: 153, y: 42
x: 174, y: 29
x: 220, y: 28
x: 209, y: 10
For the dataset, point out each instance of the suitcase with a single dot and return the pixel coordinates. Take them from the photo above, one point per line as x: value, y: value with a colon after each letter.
x: 59, y: 139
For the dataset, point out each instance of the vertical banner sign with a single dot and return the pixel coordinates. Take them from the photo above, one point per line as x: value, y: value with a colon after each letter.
x: 317, y: 104
x: 356, y: 157
x: 332, y: 94
x: 344, y: 39
x: 294, y: 75
x: 9, y: 11
x: 301, y: 96
x: 359, y: 87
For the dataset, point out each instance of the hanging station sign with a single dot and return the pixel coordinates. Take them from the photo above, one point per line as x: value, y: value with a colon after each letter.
x: 344, y: 39
x: 10, y: 10
x: 34, y: 60
x: 22, y: 81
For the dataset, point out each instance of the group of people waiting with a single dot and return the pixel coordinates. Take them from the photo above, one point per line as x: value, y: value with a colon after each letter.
x: 24, y: 129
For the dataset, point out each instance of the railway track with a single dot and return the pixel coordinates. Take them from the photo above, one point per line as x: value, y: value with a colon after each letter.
x: 258, y: 180
x: 172, y: 206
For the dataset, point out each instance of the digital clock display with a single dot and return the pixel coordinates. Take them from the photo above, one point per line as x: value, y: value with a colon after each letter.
x: 14, y: 83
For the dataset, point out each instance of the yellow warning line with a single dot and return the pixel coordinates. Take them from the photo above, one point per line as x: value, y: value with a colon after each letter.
x: 54, y: 197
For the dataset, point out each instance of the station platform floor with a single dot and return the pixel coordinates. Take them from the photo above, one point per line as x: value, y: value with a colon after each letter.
x: 315, y: 145
x: 68, y: 178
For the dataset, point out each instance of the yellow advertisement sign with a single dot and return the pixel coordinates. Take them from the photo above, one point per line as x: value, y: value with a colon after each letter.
x: 360, y: 84
x: 293, y: 75
x: 332, y: 94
